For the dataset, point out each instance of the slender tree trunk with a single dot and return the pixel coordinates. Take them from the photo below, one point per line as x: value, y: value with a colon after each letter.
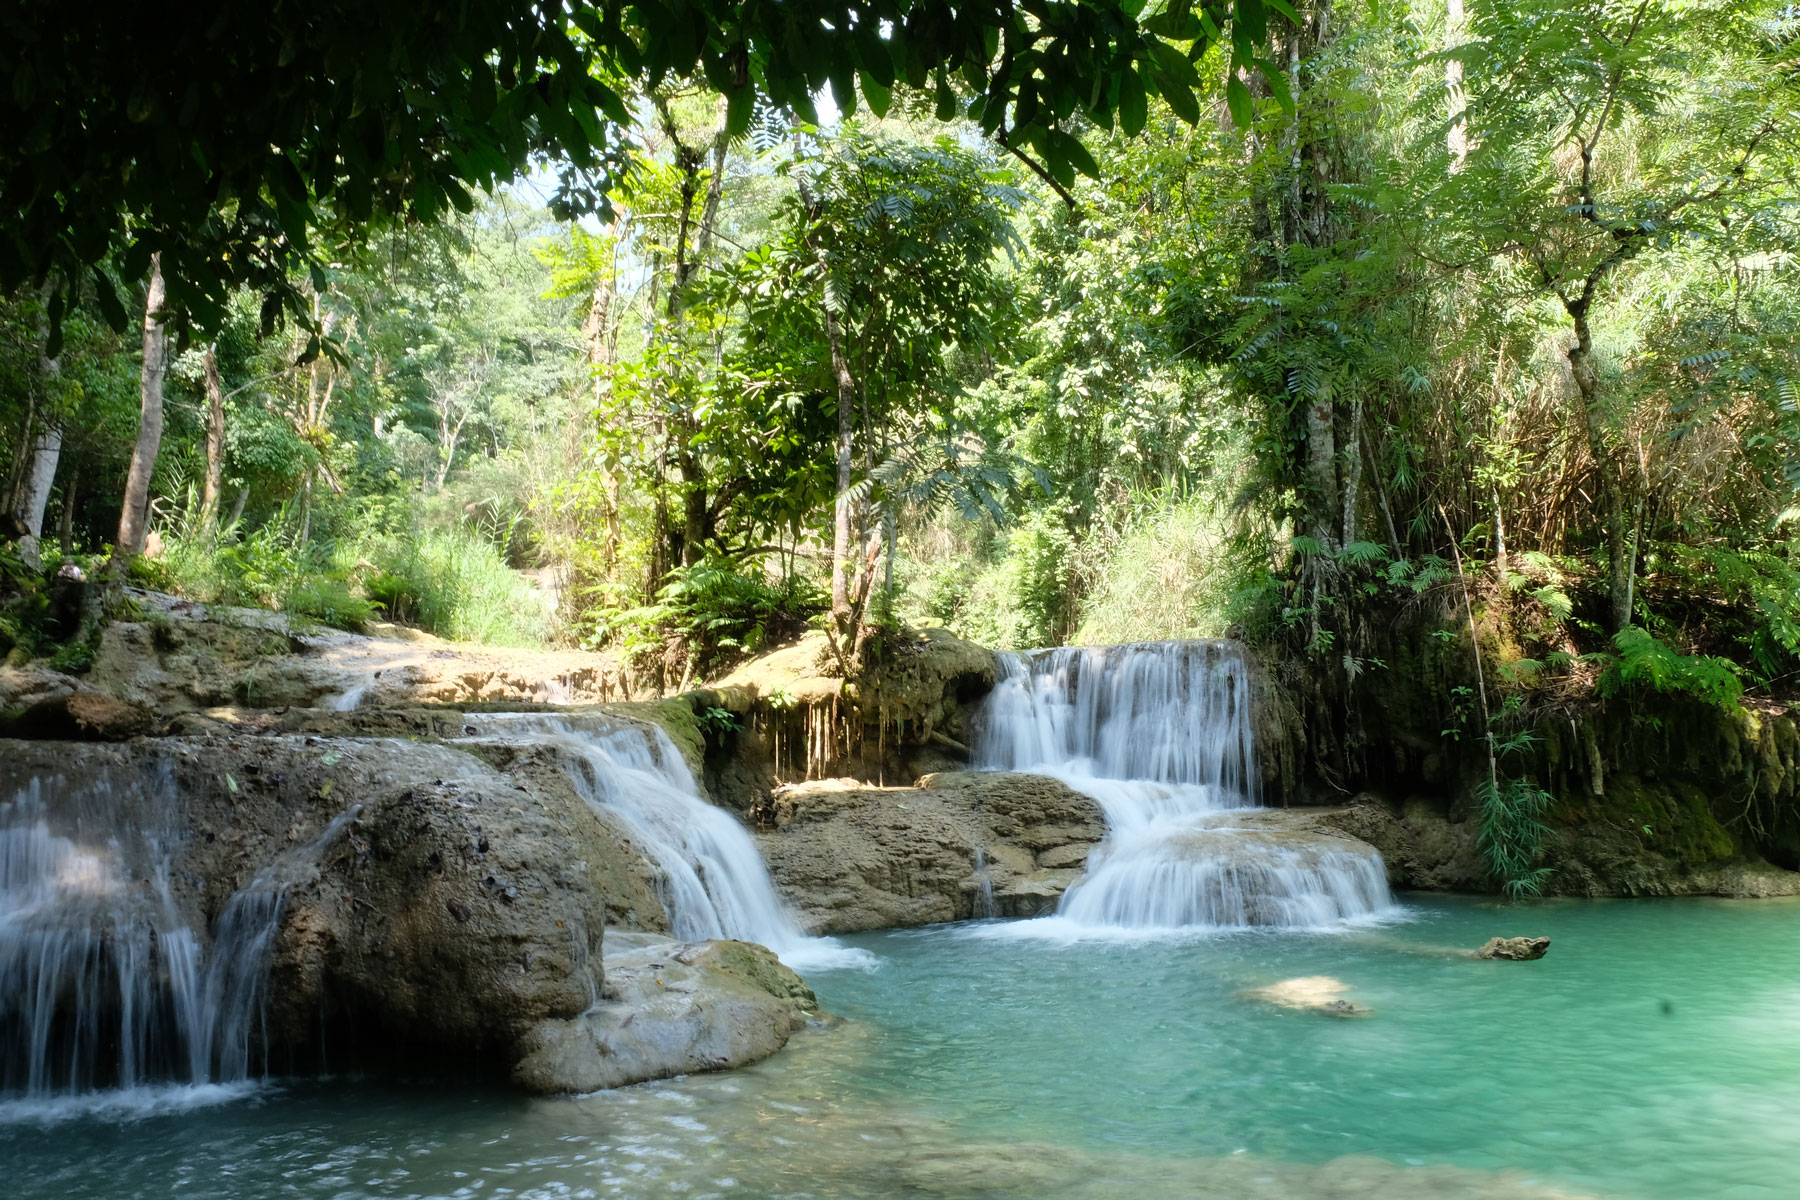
x: 1352, y: 470
x: 1615, y: 526
x: 215, y: 446
x: 46, y: 452
x: 693, y: 509
x: 841, y: 565
x: 1456, y: 138
x: 1322, y: 468
x: 66, y: 523
x: 134, y: 515
x: 237, y: 506
x: 305, y: 508
x: 613, y: 532
x: 43, y: 450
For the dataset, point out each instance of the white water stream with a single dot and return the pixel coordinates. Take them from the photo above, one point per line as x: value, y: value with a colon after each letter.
x: 712, y: 880
x: 106, y: 993
x: 1160, y: 734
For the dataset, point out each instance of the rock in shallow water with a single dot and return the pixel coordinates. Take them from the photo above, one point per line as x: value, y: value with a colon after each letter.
x: 1312, y: 993
x: 670, y: 1008
x: 1514, y: 949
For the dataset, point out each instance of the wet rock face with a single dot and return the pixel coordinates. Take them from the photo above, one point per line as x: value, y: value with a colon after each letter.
x: 1601, y: 847
x: 849, y: 857
x: 459, y: 908
x: 669, y: 1008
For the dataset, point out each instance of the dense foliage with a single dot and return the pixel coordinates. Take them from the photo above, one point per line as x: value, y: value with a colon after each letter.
x: 1470, y: 323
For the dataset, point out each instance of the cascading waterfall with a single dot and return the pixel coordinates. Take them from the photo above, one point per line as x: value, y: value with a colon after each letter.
x: 713, y: 882
x: 104, y: 988
x: 1160, y: 734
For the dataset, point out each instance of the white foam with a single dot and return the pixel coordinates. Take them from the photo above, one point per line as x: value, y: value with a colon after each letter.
x: 1159, y: 733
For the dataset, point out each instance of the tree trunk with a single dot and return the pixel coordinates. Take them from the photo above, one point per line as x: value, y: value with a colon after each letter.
x: 46, y: 451
x: 841, y: 566
x: 66, y: 523
x: 215, y: 446
x: 1456, y: 138
x: 134, y: 514
x: 1352, y: 469
x: 1611, y: 488
x: 1322, y: 469
x: 694, y: 513
x: 43, y: 450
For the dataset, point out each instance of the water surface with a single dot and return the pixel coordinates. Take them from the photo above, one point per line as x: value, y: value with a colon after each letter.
x: 1654, y: 1054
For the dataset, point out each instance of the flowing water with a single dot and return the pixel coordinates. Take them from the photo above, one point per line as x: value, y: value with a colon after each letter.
x: 1654, y: 1055
x: 1160, y: 734
x: 107, y: 997
x: 712, y: 880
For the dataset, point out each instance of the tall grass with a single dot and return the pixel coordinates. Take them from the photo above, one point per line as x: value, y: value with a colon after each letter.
x: 1168, y: 573
x: 449, y: 581
x: 453, y: 582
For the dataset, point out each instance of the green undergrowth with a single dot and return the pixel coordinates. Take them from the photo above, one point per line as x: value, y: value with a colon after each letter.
x: 451, y: 582
x: 716, y: 612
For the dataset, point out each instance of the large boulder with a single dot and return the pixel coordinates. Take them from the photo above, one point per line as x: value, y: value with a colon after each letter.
x: 960, y: 844
x: 669, y: 1008
x: 435, y: 907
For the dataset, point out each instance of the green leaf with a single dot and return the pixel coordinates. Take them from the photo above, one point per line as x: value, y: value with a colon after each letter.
x: 1179, y: 97
x: 1237, y: 98
x: 946, y: 98
x: 1134, y: 105
x: 740, y: 103
x: 108, y: 299
x: 879, y: 97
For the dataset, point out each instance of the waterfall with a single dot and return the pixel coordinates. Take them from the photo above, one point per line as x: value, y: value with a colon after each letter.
x: 711, y: 879
x: 352, y: 697
x: 104, y: 987
x: 1160, y: 734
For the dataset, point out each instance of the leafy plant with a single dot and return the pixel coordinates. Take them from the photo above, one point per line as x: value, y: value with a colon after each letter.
x: 1646, y: 662
x: 717, y: 721
x: 1511, y: 833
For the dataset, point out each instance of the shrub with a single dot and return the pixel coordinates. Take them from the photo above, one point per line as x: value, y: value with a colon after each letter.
x: 452, y: 582
x: 329, y: 601
x: 716, y: 611
x: 1646, y: 662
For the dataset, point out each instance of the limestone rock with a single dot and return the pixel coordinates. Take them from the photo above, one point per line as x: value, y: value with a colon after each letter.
x: 849, y: 857
x: 1514, y: 949
x: 670, y: 1008
x: 908, y: 715
x: 459, y: 908
x: 75, y: 713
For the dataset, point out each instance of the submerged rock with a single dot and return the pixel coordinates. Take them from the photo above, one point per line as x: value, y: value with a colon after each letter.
x: 1311, y: 993
x: 1514, y: 949
x: 669, y: 1008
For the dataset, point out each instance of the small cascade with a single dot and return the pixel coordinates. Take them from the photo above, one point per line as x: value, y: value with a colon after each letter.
x: 1160, y: 734
x: 713, y: 881
x: 352, y: 697
x: 104, y: 987
x: 985, y: 906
